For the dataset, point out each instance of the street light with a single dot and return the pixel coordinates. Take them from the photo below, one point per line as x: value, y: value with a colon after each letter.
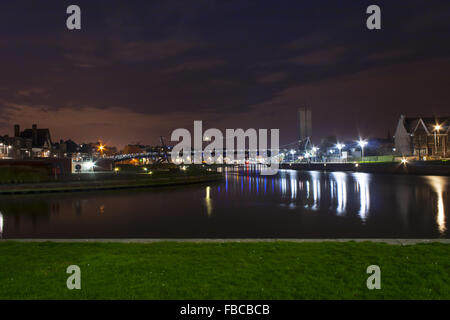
x: 314, y: 151
x: 362, y: 143
x: 101, y: 148
x: 436, y: 128
x: 340, y: 146
x: 89, y: 165
x: 292, y: 153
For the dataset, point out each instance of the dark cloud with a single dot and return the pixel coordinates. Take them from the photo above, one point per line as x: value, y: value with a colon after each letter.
x: 323, y: 57
x: 230, y: 63
x: 274, y: 77
x: 196, y: 65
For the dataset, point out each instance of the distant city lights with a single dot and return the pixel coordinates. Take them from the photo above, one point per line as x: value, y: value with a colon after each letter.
x: 89, y: 165
x: 101, y: 148
x: 362, y: 143
x: 340, y: 146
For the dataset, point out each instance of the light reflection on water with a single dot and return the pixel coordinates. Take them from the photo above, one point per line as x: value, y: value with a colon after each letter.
x: 208, y: 201
x: 316, y: 189
x: 308, y: 204
x: 1, y: 225
x: 438, y: 185
x: 338, y: 191
x: 364, y: 194
x: 306, y: 191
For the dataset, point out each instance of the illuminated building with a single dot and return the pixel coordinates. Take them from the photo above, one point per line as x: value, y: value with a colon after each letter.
x: 423, y: 137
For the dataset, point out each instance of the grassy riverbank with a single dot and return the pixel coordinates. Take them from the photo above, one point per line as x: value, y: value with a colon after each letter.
x: 261, y: 270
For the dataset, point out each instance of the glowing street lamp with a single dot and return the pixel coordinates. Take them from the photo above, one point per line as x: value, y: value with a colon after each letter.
x: 362, y: 143
x: 101, y: 148
x: 437, y: 127
x: 292, y: 152
x: 340, y: 146
x: 89, y: 165
x: 314, y: 152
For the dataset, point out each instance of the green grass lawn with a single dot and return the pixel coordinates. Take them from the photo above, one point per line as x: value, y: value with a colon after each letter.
x: 270, y: 270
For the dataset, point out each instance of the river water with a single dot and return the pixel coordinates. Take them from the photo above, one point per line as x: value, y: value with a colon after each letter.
x: 292, y: 204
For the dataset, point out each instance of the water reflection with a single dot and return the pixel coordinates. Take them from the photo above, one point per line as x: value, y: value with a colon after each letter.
x: 405, y: 199
x: 307, y: 189
x: 312, y: 190
x: 208, y: 201
x: 226, y: 179
x: 283, y: 186
x: 316, y: 189
x: 1, y: 225
x: 362, y: 180
x: 338, y: 190
x: 293, y: 180
x: 438, y: 185
x: 244, y: 205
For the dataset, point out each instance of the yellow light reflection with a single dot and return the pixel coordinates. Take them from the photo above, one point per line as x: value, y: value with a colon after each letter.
x: 208, y: 201
x: 438, y: 185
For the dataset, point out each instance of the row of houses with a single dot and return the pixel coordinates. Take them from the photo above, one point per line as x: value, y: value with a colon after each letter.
x: 37, y: 143
x: 423, y: 137
x: 27, y: 144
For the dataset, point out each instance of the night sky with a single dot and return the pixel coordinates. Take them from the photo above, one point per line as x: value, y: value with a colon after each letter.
x: 140, y: 69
